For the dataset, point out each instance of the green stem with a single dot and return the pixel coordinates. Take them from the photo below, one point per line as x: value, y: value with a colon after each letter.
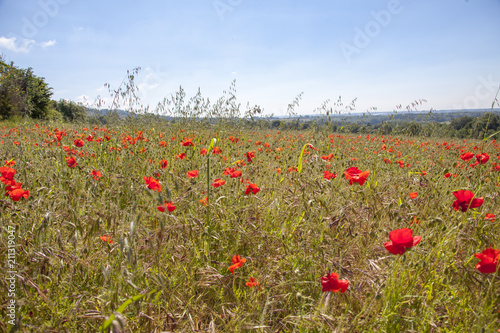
x: 208, y: 188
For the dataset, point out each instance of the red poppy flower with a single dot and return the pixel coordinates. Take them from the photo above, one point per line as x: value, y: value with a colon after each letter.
x: 467, y: 156
x: 204, y: 201
x: 331, y: 282
x: 387, y: 161
x: 218, y: 182
x: 228, y: 171
x: 413, y: 195
x: 203, y: 152
x: 15, y: 192
x: 415, y: 221
x: 13, y: 186
x: 216, y: 150
x: 153, y: 184
x: 237, y: 262
x: 106, y: 238
x: 482, y: 158
x: 249, y: 155
x: 447, y: 175
x: 490, y: 217
x: 252, y: 283
x: 7, y: 175
x: 71, y: 162
x: 251, y: 188
x: 327, y: 157
x: 329, y: 175
x: 466, y: 200
x: 163, y: 164
x: 168, y: 205
x: 495, y: 167
x: 79, y: 142
x: 236, y: 174
x: 401, y: 239
x: 356, y: 176
x: 192, y: 174
x: 181, y: 156
x: 187, y: 142
x: 96, y: 174
x: 488, y: 260
x: 232, y: 172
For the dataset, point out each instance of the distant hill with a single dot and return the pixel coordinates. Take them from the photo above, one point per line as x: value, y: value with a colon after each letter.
x: 371, y: 118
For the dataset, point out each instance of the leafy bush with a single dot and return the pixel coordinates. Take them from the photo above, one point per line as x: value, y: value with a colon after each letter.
x: 71, y: 111
x: 22, y: 93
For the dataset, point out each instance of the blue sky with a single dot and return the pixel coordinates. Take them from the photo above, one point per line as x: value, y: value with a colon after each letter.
x: 384, y: 53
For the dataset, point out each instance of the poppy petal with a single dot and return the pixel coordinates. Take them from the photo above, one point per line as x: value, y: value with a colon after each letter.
x: 402, y: 237
x: 394, y: 248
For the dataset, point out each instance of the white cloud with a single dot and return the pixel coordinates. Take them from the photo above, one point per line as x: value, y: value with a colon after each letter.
x: 48, y: 43
x: 11, y: 45
x: 25, y: 46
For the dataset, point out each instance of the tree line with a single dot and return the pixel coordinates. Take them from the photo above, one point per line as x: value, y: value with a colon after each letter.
x: 23, y: 94
x: 476, y: 126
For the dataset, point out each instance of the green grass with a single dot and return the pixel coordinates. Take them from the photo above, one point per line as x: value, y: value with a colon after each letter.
x: 169, y: 272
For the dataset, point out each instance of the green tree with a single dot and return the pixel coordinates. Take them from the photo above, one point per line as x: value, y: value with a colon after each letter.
x: 385, y: 129
x: 275, y: 123
x: 38, y: 93
x: 461, y: 122
x: 22, y: 93
x: 413, y: 129
x: 71, y: 111
x: 12, y: 101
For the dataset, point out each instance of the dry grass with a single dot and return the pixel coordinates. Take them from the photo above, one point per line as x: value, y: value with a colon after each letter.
x: 298, y: 227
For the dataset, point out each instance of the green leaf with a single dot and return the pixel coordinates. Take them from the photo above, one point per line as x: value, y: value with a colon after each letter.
x: 491, y: 136
x: 122, y: 308
x: 212, y: 144
x: 298, y: 222
x: 299, y: 167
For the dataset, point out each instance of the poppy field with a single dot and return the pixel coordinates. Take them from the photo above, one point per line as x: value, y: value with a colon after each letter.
x: 162, y: 227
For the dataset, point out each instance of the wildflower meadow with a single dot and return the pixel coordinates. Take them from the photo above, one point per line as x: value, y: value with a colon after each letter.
x: 174, y: 227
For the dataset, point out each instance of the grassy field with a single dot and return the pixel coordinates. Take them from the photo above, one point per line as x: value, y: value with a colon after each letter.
x: 94, y: 252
